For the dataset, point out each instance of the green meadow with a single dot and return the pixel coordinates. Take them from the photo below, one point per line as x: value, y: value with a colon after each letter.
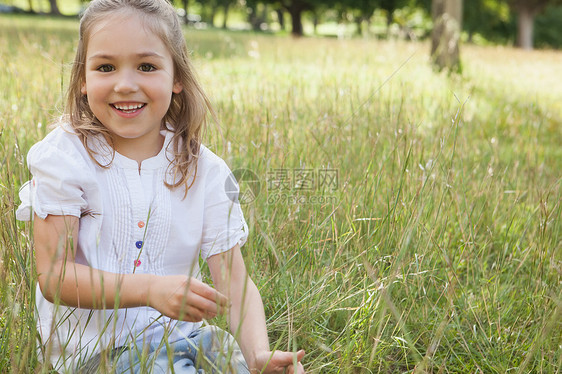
x: 401, y: 219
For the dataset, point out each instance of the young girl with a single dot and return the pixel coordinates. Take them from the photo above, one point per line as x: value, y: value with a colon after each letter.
x: 125, y: 200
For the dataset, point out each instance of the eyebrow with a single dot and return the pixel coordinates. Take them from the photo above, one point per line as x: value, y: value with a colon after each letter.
x: 105, y: 56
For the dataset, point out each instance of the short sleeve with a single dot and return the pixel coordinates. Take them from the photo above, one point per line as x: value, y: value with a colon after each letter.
x: 223, y: 221
x: 57, y: 184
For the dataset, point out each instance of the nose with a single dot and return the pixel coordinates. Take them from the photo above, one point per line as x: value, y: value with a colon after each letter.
x: 126, y: 82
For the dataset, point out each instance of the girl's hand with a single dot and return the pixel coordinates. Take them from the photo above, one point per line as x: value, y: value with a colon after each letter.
x: 277, y: 362
x: 185, y: 298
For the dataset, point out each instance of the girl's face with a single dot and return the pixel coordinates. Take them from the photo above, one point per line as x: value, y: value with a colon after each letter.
x: 129, y: 83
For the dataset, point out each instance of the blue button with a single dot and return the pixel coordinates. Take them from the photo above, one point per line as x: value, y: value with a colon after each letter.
x: 139, y: 244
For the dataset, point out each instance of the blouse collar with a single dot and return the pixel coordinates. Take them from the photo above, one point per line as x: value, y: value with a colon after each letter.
x: 106, y: 156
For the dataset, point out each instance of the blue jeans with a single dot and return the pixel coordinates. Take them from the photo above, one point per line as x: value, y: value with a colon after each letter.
x: 206, y: 350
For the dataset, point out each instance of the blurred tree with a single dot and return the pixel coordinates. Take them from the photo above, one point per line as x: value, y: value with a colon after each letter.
x: 210, y: 8
x: 225, y: 4
x: 256, y: 13
x: 209, y: 11
x: 445, y: 37
x: 548, y: 28
x: 489, y: 18
x: 423, y: 4
x: 280, y: 17
x: 296, y: 8
x: 185, y: 4
x: 361, y: 10
x: 389, y: 6
x: 526, y: 11
x: 54, y: 7
x: 318, y: 14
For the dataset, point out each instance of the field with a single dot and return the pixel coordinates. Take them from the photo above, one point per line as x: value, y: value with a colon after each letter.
x: 406, y: 220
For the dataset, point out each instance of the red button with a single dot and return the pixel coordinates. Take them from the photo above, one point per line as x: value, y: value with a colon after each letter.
x: 141, y: 224
x: 137, y: 263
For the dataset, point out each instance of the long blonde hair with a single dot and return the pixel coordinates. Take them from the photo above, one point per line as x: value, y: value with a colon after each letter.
x: 188, y: 112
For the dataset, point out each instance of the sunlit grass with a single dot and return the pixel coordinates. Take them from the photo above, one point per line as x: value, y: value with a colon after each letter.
x: 439, y: 248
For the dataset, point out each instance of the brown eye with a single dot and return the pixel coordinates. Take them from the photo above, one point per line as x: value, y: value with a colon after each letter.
x: 147, y: 68
x: 105, y: 68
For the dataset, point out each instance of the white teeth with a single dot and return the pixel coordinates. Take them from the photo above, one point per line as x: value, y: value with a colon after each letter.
x: 128, y: 107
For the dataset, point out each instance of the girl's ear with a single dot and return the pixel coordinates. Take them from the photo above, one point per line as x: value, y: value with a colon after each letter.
x: 178, y: 87
x: 83, y: 89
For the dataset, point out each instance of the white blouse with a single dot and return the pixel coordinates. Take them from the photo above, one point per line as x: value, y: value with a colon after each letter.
x: 129, y: 221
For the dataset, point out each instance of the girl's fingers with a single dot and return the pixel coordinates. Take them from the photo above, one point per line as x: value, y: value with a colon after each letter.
x: 200, y: 301
x: 187, y: 298
x: 191, y: 313
x: 206, y: 306
x: 280, y: 362
x: 208, y: 292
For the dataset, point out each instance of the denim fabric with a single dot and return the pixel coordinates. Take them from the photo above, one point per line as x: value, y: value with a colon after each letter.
x: 206, y: 350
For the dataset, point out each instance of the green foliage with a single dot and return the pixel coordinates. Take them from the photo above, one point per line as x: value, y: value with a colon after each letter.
x: 537, y: 5
x: 438, y: 250
x: 548, y: 28
x: 488, y: 18
x: 529, y: 9
x: 484, y: 21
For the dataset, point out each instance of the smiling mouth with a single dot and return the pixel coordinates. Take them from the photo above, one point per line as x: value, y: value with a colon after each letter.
x: 128, y: 108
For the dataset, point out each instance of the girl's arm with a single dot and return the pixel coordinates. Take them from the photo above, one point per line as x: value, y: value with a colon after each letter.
x: 76, y: 285
x: 246, y: 315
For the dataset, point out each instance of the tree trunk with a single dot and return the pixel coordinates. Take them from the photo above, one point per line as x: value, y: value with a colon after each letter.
x: 185, y: 6
x: 358, y: 24
x: 447, y: 18
x: 389, y: 19
x: 315, y: 22
x: 225, y: 15
x: 296, y: 19
x: 213, y: 14
x: 280, y: 18
x: 54, y: 7
x: 257, y: 16
x: 525, y: 23
x: 254, y: 19
x: 263, y: 17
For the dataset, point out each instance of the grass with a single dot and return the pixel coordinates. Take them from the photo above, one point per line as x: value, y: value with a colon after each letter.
x: 438, y: 251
